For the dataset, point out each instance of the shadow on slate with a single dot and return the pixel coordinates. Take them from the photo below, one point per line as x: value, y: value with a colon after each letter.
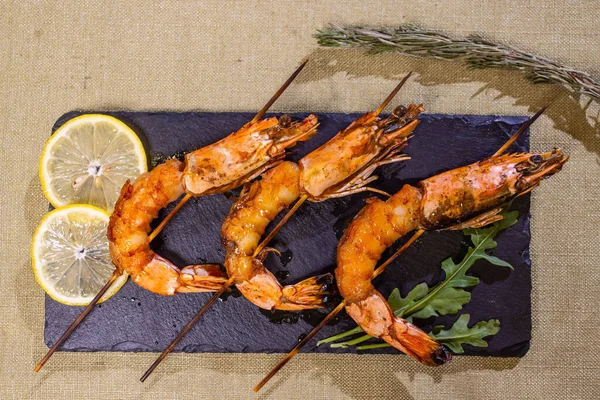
x: 138, y: 320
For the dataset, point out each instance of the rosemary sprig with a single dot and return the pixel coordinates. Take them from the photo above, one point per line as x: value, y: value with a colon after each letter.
x: 474, y: 50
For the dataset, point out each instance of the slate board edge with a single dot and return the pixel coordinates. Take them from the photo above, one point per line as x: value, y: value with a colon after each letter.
x: 198, y: 348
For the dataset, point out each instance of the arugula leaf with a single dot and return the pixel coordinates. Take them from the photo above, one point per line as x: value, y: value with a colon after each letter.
x: 448, y: 301
x: 400, y: 305
x: 447, y: 297
x: 460, y: 334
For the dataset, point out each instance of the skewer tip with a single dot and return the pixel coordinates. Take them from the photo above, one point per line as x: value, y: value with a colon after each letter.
x: 301, y: 344
x: 540, y: 112
x: 534, y: 117
x: 77, y: 321
x: 392, y: 94
x: 187, y: 328
x: 520, y: 131
x: 278, y: 93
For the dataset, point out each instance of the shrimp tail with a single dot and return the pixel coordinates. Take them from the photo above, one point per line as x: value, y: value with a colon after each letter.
x: 201, y: 278
x: 376, y: 317
x: 266, y: 292
x: 158, y: 275
x: 414, y: 342
x: 313, y: 292
x: 162, y: 277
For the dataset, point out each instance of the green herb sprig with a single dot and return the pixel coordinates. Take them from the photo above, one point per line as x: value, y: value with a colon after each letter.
x: 447, y: 297
x: 474, y: 50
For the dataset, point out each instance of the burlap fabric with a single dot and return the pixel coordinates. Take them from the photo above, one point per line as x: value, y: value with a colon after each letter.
x: 215, y: 55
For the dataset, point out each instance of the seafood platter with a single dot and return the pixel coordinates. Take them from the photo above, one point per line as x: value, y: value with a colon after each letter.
x: 396, y: 232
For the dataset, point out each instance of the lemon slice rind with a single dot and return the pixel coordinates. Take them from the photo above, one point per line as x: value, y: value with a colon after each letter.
x: 62, y: 132
x: 38, y: 264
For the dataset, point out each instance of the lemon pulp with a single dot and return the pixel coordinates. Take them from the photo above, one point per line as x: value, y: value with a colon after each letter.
x: 88, y: 159
x: 70, y: 255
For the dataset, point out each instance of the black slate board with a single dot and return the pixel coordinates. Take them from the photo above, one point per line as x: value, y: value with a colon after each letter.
x: 137, y: 320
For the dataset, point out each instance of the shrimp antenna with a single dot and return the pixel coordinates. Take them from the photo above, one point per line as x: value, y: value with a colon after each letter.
x: 258, y: 116
x: 522, y: 129
x: 77, y: 321
x: 391, y: 95
x: 333, y: 313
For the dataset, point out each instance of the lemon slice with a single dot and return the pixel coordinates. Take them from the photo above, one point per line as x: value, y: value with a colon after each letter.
x: 70, y: 255
x: 88, y: 159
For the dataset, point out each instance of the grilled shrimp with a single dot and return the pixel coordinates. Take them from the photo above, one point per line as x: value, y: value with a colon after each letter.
x: 216, y: 168
x: 470, y: 196
x: 341, y: 166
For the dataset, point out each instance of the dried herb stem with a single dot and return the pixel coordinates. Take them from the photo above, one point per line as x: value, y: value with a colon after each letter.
x: 474, y: 50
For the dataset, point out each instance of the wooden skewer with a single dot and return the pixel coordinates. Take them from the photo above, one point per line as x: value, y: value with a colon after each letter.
x: 187, y: 328
x: 227, y: 284
x: 391, y: 95
x: 279, y: 225
x: 340, y: 306
x: 333, y: 313
x: 522, y: 129
x: 383, y: 266
x: 77, y: 321
x: 401, y: 250
x: 296, y: 349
